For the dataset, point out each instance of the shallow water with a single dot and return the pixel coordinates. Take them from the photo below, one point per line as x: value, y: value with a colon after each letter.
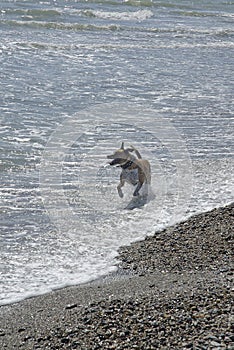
x: 77, y: 78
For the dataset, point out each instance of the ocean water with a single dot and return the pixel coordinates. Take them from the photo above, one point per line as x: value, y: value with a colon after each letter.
x: 77, y: 79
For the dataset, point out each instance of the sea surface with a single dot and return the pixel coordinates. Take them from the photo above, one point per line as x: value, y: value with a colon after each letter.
x: 76, y: 79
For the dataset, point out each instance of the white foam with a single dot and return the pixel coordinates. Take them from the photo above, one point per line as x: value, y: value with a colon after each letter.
x: 139, y: 15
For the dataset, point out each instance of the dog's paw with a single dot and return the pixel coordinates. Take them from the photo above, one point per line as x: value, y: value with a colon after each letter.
x: 120, y: 193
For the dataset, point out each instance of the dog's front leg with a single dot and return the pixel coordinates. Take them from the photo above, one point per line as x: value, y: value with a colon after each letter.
x: 119, y: 187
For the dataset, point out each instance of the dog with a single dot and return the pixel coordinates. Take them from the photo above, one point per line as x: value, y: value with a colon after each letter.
x: 135, y: 170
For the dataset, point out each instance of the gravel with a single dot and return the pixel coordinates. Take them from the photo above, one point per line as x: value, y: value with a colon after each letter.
x: 173, y: 290
x: 203, y: 242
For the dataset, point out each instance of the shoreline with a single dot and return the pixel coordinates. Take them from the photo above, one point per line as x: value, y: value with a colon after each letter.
x: 172, y: 290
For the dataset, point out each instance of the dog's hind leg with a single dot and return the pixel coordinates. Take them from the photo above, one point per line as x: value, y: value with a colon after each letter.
x: 141, y: 180
x: 136, y: 192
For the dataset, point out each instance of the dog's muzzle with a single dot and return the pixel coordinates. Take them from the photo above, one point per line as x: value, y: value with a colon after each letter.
x: 116, y: 161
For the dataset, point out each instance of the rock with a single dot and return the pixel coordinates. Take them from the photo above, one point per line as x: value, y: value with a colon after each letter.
x: 20, y: 330
x: 215, y: 344
x: 65, y: 340
x: 70, y: 306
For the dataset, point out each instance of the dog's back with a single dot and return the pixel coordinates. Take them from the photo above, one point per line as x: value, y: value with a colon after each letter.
x: 144, y: 170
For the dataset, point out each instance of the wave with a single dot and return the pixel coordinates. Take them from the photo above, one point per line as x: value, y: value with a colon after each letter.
x: 145, y: 3
x: 32, y: 12
x: 59, y: 25
x: 135, y: 3
x: 139, y: 15
x: 115, y: 27
x: 193, y: 13
x: 57, y: 12
x: 44, y: 46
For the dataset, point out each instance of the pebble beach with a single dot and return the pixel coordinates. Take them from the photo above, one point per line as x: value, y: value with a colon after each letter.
x: 174, y: 290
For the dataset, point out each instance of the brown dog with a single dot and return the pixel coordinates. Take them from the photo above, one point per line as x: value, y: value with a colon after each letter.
x: 135, y: 171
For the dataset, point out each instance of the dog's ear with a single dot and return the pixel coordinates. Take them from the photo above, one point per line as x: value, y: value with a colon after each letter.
x: 122, y: 145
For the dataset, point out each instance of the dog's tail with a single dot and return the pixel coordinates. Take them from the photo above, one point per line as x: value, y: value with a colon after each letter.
x: 147, y: 170
x: 133, y: 149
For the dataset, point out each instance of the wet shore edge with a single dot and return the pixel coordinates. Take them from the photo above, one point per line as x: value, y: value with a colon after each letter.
x: 173, y: 290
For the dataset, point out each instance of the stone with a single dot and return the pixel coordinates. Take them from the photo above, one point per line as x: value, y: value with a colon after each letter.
x: 71, y: 306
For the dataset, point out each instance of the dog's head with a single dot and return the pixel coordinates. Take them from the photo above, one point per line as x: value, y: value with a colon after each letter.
x: 120, y: 156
